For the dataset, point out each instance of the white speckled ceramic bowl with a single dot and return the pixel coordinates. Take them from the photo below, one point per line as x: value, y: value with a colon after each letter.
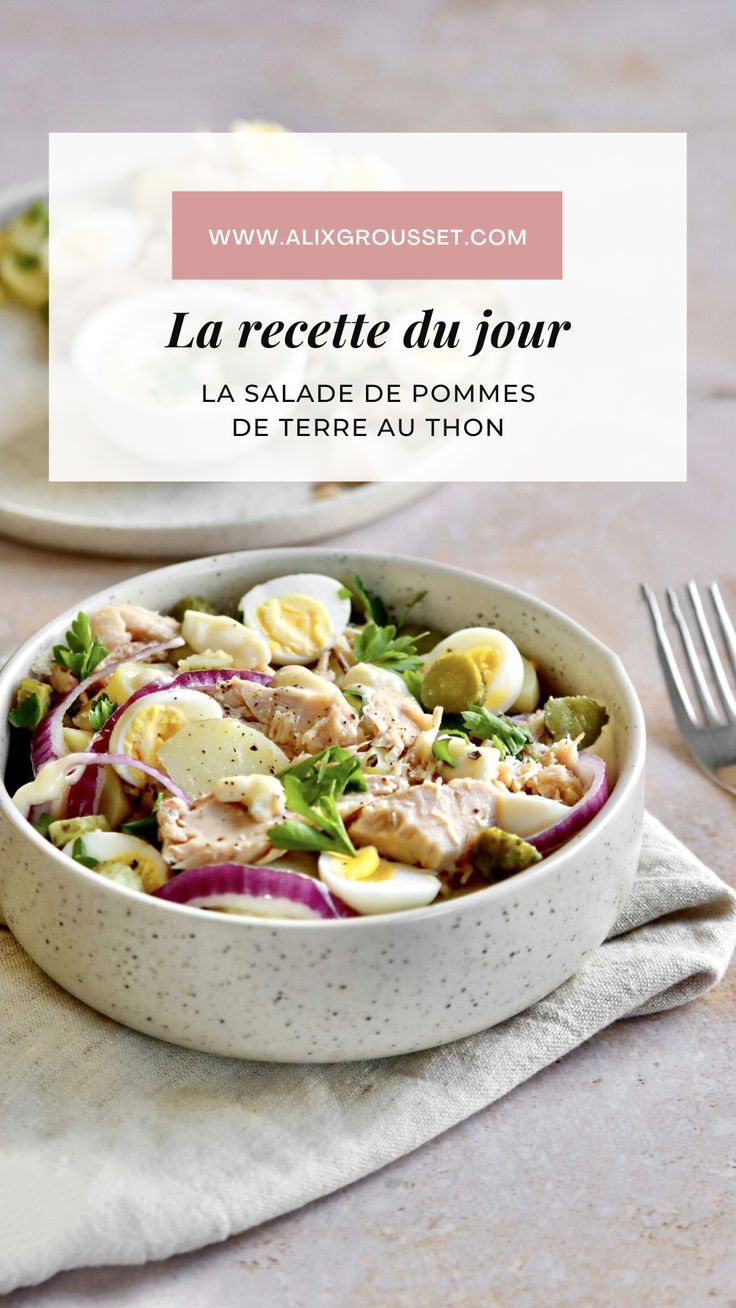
x: 365, y: 987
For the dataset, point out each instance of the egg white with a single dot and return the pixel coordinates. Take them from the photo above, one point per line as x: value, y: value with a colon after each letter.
x: 192, y: 704
x: 527, y: 815
x: 109, y: 846
x: 325, y: 591
x: 407, y: 888
x: 506, y: 682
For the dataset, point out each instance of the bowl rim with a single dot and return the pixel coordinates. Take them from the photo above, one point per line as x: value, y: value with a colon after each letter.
x: 626, y: 782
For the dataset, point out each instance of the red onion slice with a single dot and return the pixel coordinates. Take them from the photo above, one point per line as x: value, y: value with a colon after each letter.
x: 84, y: 795
x: 594, y: 775
x: 48, y: 739
x: 263, y: 891
x: 209, y: 678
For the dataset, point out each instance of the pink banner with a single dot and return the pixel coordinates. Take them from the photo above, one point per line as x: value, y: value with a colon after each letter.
x: 382, y: 235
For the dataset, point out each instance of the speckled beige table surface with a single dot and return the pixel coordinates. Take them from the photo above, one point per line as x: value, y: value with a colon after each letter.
x: 608, y: 1179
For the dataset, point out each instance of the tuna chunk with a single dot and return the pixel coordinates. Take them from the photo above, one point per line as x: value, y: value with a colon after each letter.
x: 210, y: 832
x: 429, y: 825
x: 550, y: 774
x: 129, y: 626
x: 392, y: 721
x: 302, y: 720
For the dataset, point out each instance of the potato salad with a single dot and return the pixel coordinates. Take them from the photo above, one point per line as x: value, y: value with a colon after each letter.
x: 313, y: 753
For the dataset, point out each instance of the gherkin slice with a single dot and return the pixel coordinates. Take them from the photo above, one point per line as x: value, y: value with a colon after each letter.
x: 195, y: 602
x: 573, y: 716
x: 452, y: 681
x: 498, y: 854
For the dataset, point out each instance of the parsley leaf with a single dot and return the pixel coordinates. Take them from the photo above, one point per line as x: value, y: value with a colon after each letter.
x: 370, y: 605
x: 312, y: 788
x: 100, y: 710
x: 83, y: 651
x: 145, y: 827
x: 331, y: 772
x: 381, y: 645
x: 80, y: 856
x: 507, y: 736
x: 27, y: 713
x: 410, y: 604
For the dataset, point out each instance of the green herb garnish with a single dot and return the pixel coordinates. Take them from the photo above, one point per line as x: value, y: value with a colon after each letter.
x: 410, y: 604
x: 312, y: 788
x: 507, y: 736
x: 441, y: 747
x: 372, y: 606
x: 43, y: 824
x: 381, y: 645
x: 83, y: 651
x: 366, y: 601
x: 413, y: 682
x: 27, y: 713
x: 80, y: 855
x: 145, y: 827
x: 100, y: 710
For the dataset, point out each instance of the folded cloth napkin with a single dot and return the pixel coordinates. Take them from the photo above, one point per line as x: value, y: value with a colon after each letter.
x: 116, y: 1148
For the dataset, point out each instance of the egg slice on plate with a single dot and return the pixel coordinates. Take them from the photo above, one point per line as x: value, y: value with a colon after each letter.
x: 153, y: 719
x: 114, y: 851
x: 300, y: 616
x: 498, y: 660
x: 371, y: 884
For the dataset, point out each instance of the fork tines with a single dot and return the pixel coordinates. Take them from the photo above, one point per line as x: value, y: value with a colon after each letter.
x: 712, y: 715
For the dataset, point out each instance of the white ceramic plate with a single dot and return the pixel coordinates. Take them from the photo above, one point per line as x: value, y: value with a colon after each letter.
x: 143, y: 520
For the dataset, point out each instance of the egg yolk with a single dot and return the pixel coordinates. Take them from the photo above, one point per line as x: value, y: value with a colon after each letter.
x: 150, y: 728
x: 487, y: 660
x: 151, y: 876
x: 295, y: 624
x: 365, y: 866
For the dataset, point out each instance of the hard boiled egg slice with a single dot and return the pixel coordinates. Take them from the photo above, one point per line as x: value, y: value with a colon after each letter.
x: 527, y: 815
x: 130, y: 677
x: 367, y: 676
x: 300, y: 616
x: 153, y: 719
x: 371, y: 884
x: 114, y: 850
x: 498, y: 660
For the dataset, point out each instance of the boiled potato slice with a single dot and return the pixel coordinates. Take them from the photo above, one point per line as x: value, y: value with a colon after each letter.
x: 205, y: 752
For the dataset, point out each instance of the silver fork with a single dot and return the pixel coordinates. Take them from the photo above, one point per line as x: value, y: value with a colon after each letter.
x: 710, y: 737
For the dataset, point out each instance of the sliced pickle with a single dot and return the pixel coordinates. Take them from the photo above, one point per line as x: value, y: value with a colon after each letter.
x: 66, y: 829
x: 573, y: 716
x: 454, y: 682
x: 498, y: 854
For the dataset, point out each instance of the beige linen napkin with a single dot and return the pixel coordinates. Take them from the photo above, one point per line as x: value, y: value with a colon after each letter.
x: 115, y: 1148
